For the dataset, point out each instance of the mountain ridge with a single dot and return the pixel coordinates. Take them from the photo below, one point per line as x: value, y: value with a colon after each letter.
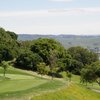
x: 88, y: 41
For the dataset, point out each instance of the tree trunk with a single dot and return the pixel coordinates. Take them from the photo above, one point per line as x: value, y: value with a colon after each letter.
x: 4, y: 73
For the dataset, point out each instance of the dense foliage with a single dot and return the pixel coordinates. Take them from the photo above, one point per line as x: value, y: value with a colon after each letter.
x: 47, y: 51
x: 91, y: 73
x: 44, y: 47
x: 82, y: 55
x: 81, y: 58
x: 8, y: 45
x: 48, y: 56
x: 28, y: 61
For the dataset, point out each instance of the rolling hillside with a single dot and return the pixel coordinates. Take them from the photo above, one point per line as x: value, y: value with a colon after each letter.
x: 67, y: 40
x: 73, y: 92
x: 25, y: 85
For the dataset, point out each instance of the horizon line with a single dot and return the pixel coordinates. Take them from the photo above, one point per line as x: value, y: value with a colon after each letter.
x: 61, y: 34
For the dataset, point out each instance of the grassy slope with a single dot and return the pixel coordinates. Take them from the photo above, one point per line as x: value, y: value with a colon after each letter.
x: 73, y: 92
x: 12, y: 70
x: 27, y: 90
x: 8, y: 86
x: 23, y: 85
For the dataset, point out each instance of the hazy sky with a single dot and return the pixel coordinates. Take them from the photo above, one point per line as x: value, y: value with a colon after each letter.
x: 51, y: 16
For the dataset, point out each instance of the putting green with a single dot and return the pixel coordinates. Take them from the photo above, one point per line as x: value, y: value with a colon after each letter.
x: 19, y: 83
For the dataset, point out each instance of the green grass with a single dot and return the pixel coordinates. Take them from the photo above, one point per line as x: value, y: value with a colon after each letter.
x: 15, y: 87
x: 18, y: 85
x: 17, y: 76
x: 51, y: 85
x: 12, y: 70
x: 24, y: 85
x: 26, y: 88
x: 73, y: 92
x: 75, y: 78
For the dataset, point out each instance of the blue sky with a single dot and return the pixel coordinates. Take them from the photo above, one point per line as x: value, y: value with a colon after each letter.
x: 81, y: 17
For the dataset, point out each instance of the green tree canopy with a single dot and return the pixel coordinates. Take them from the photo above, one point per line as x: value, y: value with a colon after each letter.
x: 12, y: 34
x: 82, y: 55
x: 88, y: 74
x: 42, y: 68
x: 91, y: 73
x: 5, y: 54
x: 44, y: 46
x: 28, y: 60
x: 96, y: 68
x: 8, y: 42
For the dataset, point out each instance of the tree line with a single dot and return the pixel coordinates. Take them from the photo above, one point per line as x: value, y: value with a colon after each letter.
x: 48, y: 56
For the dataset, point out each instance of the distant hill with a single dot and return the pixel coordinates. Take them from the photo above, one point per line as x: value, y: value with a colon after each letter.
x: 67, y: 40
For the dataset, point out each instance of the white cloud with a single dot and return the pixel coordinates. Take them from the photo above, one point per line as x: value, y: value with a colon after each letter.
x: 51, y: 12
x: 76, y: 10
x: 53, y: 21
x: 23, y: 13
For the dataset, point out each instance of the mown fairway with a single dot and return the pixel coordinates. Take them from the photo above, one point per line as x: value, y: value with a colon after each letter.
x: 14, y: 85
x: 23, y: 85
